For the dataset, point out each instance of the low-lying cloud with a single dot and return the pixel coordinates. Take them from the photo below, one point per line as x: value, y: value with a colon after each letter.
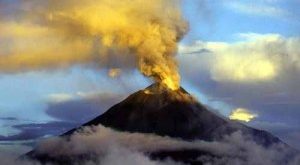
x: 109, y: 147
x: 112, y: 147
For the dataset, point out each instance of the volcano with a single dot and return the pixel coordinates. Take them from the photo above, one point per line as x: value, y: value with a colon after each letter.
x: 173, y: 113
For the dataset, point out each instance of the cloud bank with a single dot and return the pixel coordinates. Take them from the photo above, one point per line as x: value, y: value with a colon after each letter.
x: 104, y: 142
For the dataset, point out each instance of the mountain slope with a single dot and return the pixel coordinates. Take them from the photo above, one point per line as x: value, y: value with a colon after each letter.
x: 158, y: 110
x: 176, y: 114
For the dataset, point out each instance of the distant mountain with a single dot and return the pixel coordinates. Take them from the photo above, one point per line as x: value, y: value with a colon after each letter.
x: 177, y: 114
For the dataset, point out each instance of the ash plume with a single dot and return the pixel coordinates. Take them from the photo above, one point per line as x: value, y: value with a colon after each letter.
x: 103, y: 33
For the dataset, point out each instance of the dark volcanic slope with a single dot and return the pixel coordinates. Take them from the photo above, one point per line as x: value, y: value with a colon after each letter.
x: 173, y: 113
x: 164, y: 112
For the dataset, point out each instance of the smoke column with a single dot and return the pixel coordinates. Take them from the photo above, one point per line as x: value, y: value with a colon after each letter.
x: 139, y: 34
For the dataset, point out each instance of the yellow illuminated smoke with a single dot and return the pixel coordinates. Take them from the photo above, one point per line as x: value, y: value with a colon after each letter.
x: 67, y: 32
x: 170, y: 83
x: 242, y: 114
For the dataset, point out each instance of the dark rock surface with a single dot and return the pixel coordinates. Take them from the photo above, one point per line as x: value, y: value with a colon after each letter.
x: 176, y: 113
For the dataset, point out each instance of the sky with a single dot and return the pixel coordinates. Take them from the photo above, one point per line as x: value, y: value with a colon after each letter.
x: 240, y: 58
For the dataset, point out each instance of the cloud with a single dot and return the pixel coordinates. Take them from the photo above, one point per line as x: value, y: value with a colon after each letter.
x: 14, y: 149
x: 84, y: 107
x: 56, y: 98
x: 127, y: 157
x: 8, y: 118
x: 264, y: 64
x: 235, y: 148
x: 293, y: 137
x: 103, y: 33
x: 287, y: 132
x: 262, y: 8
x: 69, y: 113
x: 112, y: 157
x: 34, y: 131
x: 9, y: 159
x: 242, y: 114
x: 275, y: 97
x: 60, y: 97
x: 110, y: 147
x: 254, y: 58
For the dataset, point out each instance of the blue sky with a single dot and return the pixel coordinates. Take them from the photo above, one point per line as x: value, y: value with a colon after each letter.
x: 220, y: 20
x: 27, y: 98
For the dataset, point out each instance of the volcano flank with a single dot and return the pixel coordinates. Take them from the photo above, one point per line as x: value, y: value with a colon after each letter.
x: 172, y: 113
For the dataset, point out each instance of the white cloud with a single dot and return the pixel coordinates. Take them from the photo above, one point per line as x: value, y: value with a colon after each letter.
x: 114, y: 147
x: 60, y: 97
x: 254, y: 58
x: 261, y: 8
x: 267, y: 37
x: 65, y: 97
